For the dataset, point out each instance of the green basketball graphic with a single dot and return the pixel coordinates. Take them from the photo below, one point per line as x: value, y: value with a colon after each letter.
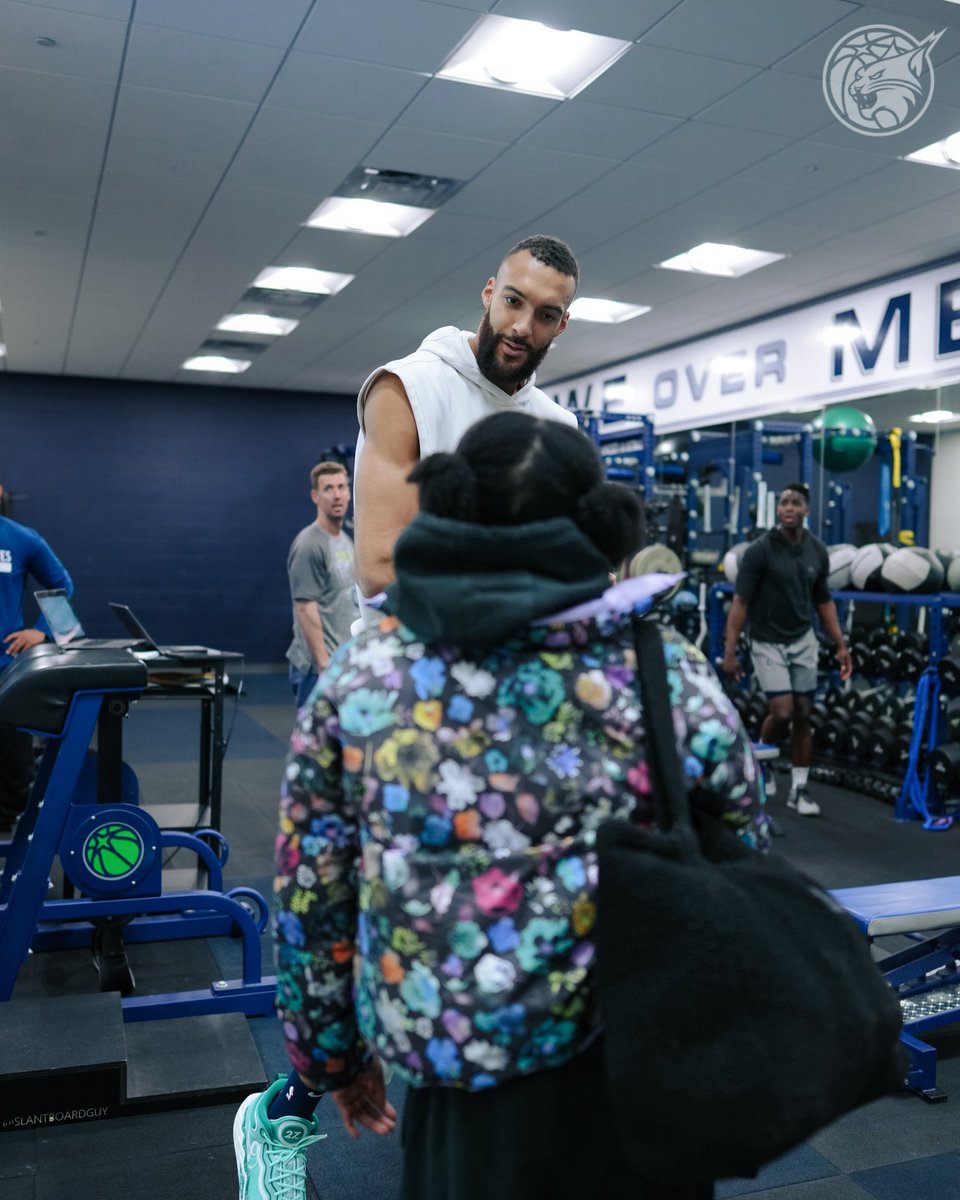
x: 113, y: 851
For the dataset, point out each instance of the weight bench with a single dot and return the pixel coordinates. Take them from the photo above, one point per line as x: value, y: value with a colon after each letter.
x: 111, y: 853
x: 926, y: 975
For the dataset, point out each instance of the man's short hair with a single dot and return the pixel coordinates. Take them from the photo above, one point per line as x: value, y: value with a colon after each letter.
x: 797, y: 487
x: 551, y: 252
x: 326, y: 468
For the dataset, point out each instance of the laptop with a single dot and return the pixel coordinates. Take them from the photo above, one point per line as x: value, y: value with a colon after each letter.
x: 130, y: 621
x: 67, y: 630
x: 65, y: 626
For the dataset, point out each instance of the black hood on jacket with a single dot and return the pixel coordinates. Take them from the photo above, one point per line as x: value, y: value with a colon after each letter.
x: 473, y: 585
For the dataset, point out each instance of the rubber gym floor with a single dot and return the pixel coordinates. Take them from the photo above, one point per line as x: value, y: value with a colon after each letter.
x: 894, y: 1149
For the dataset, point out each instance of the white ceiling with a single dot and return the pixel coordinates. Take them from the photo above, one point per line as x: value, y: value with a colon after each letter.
x: 164, y: 151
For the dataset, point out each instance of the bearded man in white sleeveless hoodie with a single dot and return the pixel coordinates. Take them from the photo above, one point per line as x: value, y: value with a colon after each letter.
x: 424, y: 403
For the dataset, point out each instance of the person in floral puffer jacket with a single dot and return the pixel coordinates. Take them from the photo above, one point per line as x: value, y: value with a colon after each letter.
x: 436, y: 873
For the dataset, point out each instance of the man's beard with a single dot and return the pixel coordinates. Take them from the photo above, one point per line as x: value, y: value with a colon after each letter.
x: 493, y: 369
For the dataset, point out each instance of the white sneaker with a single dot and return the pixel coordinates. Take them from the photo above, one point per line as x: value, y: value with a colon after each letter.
x: 799, y: 800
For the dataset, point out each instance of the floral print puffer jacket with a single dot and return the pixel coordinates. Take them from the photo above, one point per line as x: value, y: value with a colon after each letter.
x: 436, y: 876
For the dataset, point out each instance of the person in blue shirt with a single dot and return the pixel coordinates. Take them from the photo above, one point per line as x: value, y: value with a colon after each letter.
x: 23, y: 554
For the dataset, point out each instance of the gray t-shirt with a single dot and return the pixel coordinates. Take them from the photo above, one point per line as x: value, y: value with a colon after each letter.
x: 320, y: 568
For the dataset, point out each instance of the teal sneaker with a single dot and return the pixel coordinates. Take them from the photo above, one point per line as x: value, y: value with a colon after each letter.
x: 271, y: 1155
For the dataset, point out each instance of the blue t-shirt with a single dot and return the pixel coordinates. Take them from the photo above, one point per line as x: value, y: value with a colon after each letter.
x: 23, y: 552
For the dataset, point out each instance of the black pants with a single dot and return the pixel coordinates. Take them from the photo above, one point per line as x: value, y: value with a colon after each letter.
x: 16, y: 772
x: 548, y: 1136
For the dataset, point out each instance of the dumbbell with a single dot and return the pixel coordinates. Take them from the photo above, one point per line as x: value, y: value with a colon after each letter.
x: 952, y: 719
x: 858, y: 735
x: 911, y: 655
x: 885, y: 662
x: 950, y: 674
x: 944, y: 763
x: 880, y: 745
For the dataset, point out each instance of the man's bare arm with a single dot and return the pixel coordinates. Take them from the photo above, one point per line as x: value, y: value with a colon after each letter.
x: 385, y: 503
x: 307, y: 614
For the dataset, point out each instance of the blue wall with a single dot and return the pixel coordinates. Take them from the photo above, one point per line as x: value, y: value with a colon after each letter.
x: 180, y: 501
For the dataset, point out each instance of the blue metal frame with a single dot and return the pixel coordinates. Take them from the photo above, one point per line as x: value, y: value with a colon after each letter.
x: 28, y: 921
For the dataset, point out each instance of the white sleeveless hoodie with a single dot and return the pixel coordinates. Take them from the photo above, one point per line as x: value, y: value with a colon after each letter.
x: 448, y: 393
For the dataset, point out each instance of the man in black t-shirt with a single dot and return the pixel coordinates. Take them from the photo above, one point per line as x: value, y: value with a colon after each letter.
x: 781, y: 578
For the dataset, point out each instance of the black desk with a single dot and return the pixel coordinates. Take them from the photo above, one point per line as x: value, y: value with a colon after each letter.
x: 198, y: 677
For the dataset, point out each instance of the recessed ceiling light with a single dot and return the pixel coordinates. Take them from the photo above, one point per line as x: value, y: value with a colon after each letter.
x: 605, y: 312
x: 377, y: 217
x: 302, y: 279
x: 945, y: 153
x: 716, y: 258
x: 936, y: 416
x: 217, y: 362
x: 258, y: 323
x: 526, y: 56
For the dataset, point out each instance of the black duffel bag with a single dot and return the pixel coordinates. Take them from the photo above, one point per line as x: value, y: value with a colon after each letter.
x: 741, y: 1007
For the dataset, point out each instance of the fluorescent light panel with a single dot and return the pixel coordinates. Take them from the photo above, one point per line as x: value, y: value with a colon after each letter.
x: 258, y: 323
x: 302, y: 279
x: 945, y: 153
x: 605, y: 312
x: 217, y: 362
x: 936, y: 416
x: 377, y: 217
x: 716, y: 258
x: 526, y: 56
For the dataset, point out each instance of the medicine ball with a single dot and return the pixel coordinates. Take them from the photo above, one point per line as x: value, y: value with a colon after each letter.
x: 841, y: 560
x: 946, y: 558
x: 953, y: 574
x: 852, y: 442
x: 912, y: 569
x: 867, y: 564
x: 731, y: 560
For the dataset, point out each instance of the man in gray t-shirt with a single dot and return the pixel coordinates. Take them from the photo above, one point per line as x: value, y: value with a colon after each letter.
x: 320, y: 569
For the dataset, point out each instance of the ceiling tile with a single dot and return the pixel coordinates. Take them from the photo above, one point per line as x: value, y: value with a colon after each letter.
x: 39, y: 288
x: 773, y: 101
x: 304, y: 151
x: 337, y: 87
x: 811, y: 168
x: 57, y: 119
x: 329, y: 250
x: 177, y: 61
x: 192, y: 137
x: 809, y: 58
x: 89, y: 47
x: 272, y: 24
x: 119, y: 10
x: 609, y: 132
x: 529, y: 182
x: 56, y: 220
x: 421, y: 152
x: 397, y: 33
x: 742, y: 30
x: 714, y: 151
x: 667, y: 81
x: 447, y: 107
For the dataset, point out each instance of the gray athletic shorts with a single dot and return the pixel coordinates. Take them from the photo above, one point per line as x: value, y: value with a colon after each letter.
x: 782, y: 667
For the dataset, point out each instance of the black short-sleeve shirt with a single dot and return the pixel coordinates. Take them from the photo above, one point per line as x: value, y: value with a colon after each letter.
x: 781, y: 581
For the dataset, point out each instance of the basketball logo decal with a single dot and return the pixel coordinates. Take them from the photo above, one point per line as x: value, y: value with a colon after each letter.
x: 113, y: 851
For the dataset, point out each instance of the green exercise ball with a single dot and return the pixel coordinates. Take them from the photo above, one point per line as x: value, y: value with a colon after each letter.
x: 851, y: 446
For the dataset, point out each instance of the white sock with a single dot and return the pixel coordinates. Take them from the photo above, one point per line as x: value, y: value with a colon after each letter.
x: 798, y: 777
